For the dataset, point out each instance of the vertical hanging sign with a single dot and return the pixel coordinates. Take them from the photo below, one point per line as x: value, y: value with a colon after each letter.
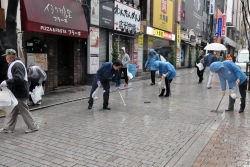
x: 211, y: 7
x: 224, y: 25
x: 94, y: 15
x: 219, y: 26
x: 178, y: 35
x: 179, y: 11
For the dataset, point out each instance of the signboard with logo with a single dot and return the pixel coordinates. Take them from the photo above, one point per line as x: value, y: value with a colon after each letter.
x: 94, y: 15
x: 106, y: 14
x: 179, y: 11
x: 224, y: 25
x: 163, y: 15
x: 219, y: 27
x: 126, y: 18
x: 211, y: 7
x: 178, y: 40
x: 159, y: 33
x: 141, y: 38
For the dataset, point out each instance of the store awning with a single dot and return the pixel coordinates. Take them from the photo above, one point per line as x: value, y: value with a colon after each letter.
x: 60, y: 17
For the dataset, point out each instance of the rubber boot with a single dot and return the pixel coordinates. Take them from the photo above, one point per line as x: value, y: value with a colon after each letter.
x: 162, y: 93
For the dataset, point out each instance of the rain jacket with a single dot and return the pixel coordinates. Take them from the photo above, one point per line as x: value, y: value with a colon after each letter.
x: 165, y: 68
x: 106, y: 72
x: 125, y: 59
x: 209, y: 59
x: 227, y: 70
x: 38, y: 75
x: 151, y: 60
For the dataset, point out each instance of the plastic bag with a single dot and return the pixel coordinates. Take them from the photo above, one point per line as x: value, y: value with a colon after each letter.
x: 235, y: 92
x: 200, y: 66
x: 97, y: 93
x: 162, y: 84
x: 36, y: 94
x: 5, y: 99
x: 130, y: 76
x: 157, y: 72
x: 42, y: 91
x: 8, y: 108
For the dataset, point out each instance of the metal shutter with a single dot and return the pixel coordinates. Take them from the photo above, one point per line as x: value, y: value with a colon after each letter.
x: 102, y: 46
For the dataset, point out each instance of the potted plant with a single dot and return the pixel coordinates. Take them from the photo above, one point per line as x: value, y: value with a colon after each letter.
x: 115, y: 52
x: 190, y: 58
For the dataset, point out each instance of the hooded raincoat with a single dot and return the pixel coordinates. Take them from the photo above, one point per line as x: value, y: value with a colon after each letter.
x: 151, y: 60
x: 125, y: 59
x: 165, y: 68
x: 227, y: 70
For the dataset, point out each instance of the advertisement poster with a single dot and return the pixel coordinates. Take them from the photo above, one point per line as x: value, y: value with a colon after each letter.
x: 19, y: 47
x: 94, y: 64
x: 106, y: 14
x: 123, y: 21
x: 94, y: 15
x: 94, y: 40
x: 37, y: 59
x: 163, y: 15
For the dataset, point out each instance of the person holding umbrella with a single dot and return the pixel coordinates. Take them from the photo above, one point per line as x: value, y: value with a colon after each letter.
x: 209, y: 59
x: 167, y: 72
x: 153, y: 56
x: 230, y: 72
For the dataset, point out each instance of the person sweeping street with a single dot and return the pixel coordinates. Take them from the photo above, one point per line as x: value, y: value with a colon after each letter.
x: 107, y: 71
x: 231, y: 73
x: 125, y: 59
x: 167, y: 72
x: 153, y: 56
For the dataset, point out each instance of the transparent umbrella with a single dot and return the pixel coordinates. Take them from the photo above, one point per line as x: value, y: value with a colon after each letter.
x: 215, y: 47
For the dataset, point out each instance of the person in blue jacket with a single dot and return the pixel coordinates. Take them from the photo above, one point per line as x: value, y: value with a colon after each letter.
x: 103, y: 75
x: 167, y: 72
x: 153, y: 56
x: 231, y: 73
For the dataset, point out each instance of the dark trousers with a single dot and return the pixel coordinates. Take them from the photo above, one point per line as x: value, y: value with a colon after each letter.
x: 124, y: 71
x: 153, y: 76
x: 168, y: 92
x: 200, y: 74
x: 32, y: 86
x: 242, y: 88
x: 2, y: 78
x: 106, y: 87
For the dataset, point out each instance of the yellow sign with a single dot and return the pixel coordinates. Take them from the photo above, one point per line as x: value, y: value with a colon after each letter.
x: 141, y: 38
x: 163, y: 15
x: 178, y: 34
x: 158, y: 33
x: 150, y: 40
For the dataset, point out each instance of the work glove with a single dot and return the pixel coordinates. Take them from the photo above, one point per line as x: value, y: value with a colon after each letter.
x: 99, y: 83
x: 118, y: 88
x: 4, y: 84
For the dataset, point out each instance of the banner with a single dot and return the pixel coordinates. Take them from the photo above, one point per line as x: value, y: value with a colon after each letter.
x: 179, y: 11
x: 163, y: 15
x: 94, y: 15
x: 219, y: 27
x: 224, y: 25
x: 94, y: 40
x: 178, y: 40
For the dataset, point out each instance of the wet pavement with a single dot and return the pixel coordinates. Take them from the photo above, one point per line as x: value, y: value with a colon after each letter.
x: 177, y: 131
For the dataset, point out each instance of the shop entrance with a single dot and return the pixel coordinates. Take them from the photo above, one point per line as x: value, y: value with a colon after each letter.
x: 65, y: 52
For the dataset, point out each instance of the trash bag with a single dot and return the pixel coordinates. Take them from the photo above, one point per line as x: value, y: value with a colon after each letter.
x: 42, y: 91
x: 157, y: 72
x: 200, y: 66
x: 235, y: 92
x: 97, y: 93
x: 162, y: 84
x: 130, y: 76
x: 36, y: 94
x: 8, y: 107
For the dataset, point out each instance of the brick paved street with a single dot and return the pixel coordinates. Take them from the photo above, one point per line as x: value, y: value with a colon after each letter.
x: 173, y: 131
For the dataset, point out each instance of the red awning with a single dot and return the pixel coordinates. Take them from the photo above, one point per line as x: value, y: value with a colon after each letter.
x: 60, y: 17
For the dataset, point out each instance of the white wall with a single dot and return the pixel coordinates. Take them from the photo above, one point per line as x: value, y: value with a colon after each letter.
x: 4, y: 4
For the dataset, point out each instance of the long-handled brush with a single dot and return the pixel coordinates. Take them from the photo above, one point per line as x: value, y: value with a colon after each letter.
x: 218, y: 105
x: 122, y: 99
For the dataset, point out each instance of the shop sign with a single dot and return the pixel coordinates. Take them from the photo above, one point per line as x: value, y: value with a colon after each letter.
x: 94, y: 15
x: 211, y: 7
x: 106, y: 14
x: 150, y: 40
x: 94, y: 40
x: 141, y: 38
x: 159, y: 33
x: 163, y: 17
x: 219, y: 26
x: 224, y: 24
x: 126, y: 18
x: 179, y: 11
x: 178, y: 34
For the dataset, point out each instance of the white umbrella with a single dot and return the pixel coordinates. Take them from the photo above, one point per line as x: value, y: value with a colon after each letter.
x: 215, y: 47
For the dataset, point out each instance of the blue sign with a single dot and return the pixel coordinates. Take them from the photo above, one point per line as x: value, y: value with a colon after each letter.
x: 219, y: 27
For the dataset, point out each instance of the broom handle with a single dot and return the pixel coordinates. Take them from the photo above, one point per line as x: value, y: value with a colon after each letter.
x: 219, y: 102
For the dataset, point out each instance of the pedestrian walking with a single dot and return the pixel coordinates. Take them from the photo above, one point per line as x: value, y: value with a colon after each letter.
x: 36, y: 77
x: 230, y: 72
x: 17, y: 82
x: 153, y: 56
x: 167, y: 72
x: 209, y: 59
x: 229, y: 57
x: 200, y: 66
x: 125, y: 59
x: 107, y: 71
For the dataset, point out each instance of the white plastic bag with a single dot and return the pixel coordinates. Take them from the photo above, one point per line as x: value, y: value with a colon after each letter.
x: 235, y: 92
x: 200, y: 66
x: 162, y: 84
x: 157, y: 72
x: 130, y: 76
x: 42, y: 91
x: 97, y: 93
x: 36, y: 94
x: 5, y: 99
x: 13, y: 101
